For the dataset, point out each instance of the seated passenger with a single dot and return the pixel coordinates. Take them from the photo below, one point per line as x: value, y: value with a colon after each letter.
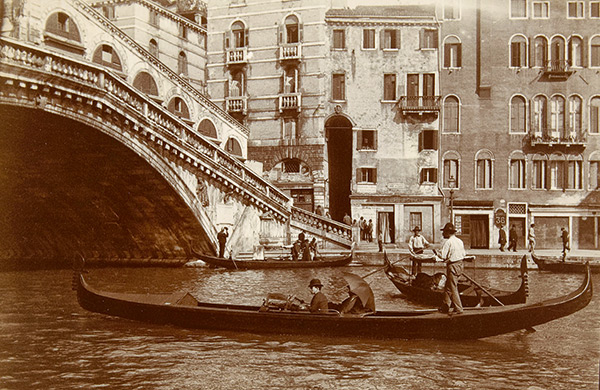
x: 319, y: 303
x: 354, y: 305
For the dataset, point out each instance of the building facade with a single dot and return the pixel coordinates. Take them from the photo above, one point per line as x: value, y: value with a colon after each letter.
x: 520, y: 120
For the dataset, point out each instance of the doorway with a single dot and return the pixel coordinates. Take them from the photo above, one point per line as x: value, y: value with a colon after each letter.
x: 385, y: 225
x: 338, y: 131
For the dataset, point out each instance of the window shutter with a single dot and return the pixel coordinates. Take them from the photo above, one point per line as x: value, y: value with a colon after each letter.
x: 434, y: 175
x: 375, y: 140
x: 300, y: 32
x: 382, y: 42
x: 280, y: 33
x: 374, y: 170
x: 398, y: 42
x: 435, y: 39
x: 359, y: 140
x: 225, y: 40
x: 459, y: 55
x: 246, y: 35
x: 227, y: 87
x: 422, y: 176
x: 358, y: 175
x: 421, y: 38
x: 447, y: 55
x: 434, y: 141
x: 421, y: 136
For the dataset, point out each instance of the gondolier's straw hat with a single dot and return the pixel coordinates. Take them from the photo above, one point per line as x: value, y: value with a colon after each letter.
x: 315, y: 282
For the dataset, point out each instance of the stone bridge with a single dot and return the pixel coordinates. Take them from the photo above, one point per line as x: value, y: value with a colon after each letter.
x: 89, y: 164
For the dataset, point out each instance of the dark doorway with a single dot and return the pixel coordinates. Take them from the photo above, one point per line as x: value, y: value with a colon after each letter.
x: 338, y: 130
x: 521, y: 230
x: 480, y: 236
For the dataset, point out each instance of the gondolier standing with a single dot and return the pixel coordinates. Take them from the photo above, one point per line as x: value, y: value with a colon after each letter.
x: 222, y: 238
x: 531, y: 237
x: 417, y: 242
x: 453, y: 253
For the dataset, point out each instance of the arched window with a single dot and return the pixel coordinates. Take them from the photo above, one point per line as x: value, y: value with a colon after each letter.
x: 594, y: 182
x: 557, y: 172
x: 182, y: 64
x: 484, y: 169
x: 236, y: 84
x: 233, y: 147
x: 539, y: 172
x: 145, y: 83
x: 518, y: 115
x: 517, y: 170
x: 595, y: 115
x: 540, y: 57
x: 178, y: 107
x: 290, y: 80
x: 576, y: 52
x: 595, y: 51
x: 207, y: 128
x: 153, y: 48
x: 63, y: 25
x: 452, y: 52
x: 575, y: 116
x: 557, y: 117
x: 451, y: 115
x: 239, y: 34
x: 518, y: 52
x: 557, y: 54
x: 292, y: 29
x: 106, y: 55
x: 451, y: 169
x: 574, y: 172
x: 539, y: 110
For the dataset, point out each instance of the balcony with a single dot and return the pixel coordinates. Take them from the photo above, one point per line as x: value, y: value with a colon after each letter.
x: 419, y: 104
x: 237, y: 104
x: 554, y: 138
x: 557, y: 70
x: 235, y: 56
x: 290, y: 51
x: 290, y: 101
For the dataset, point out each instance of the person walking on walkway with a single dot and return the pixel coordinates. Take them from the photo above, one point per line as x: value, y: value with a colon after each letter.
x: 531, y: 238
x: 453, y: 253
x: 502, y: 239
x: 513, y: 237
x: 222, y: 238
x: 564, y: 235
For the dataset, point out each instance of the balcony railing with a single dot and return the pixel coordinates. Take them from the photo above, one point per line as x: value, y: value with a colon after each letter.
x: 290, y: 51
x: 420, y: 104
x: 237, y: 104
x: 290, y: 101
x: 238, y: 55
x: 558, y: 69
x: 553, y: 137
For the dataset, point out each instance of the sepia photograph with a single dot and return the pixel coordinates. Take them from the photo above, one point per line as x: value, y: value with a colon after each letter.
x: 299, y: 194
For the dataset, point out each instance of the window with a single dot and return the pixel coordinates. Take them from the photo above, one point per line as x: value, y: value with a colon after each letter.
x: 105, y: 55
x: 594, y: 9
x: 389, y: 87
x: 451, y: 170
x: 541, y: 10
x: 339, y: 87
x: 540, y: 165
x: 452, y: 53
x: 595, y: 115
x: 391, y: 40
x: 516, y: 173
x: 182, y: 64
x: 339, y: 39
x: 182, y: 31
x: 575, y: 9
x: 366, y: 140
x: 108, y: 12
x: 594, y: 171
x: 238, y: 35
x: 292, y: 29
x: 576, y: 52
x: 415, y: 219
x: 428, y: 39
x: 484, y: 165
x: 540, y: 57
x: 595, y: 51
x: 452, y: 9
x: 63, y: 22
x: 368, y: 38
x: 428, y: 175
x: 557, y: 54
x: 290, y: 127
x: 539, y: 115
x: 428, y: 140
x: 153, y: 18
x: 366, y: 175
x: 518, y: 115
x: 153, y: 48
x: 236, y: 84
x: 178, y: 107
x: 145, y: 83
x: 62, y: 25
x: 290, y: 80
x: 451, y: 115
x: 575, y: 116
x: 557, y: 117
x: 518, y: 8
x: 575, y: 174
x: 233, y: 147
x: 207, y: 128
x: 291, y: 165
x: 518, y: 52
x: 556, y: 172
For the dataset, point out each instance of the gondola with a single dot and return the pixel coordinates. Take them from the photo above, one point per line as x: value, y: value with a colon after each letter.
x: 556, y: 264
x: 420, y: 287
x: 319, y: 262
x: 184, y: 310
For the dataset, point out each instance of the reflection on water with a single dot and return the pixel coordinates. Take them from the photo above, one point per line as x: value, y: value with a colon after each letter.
x: 48, y: 342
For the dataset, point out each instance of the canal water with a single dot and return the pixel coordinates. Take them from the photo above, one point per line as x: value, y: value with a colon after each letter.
x: 48, y: 342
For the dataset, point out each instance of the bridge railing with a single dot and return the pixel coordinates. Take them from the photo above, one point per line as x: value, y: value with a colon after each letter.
x: 162, y: 126
x: 320, y: 224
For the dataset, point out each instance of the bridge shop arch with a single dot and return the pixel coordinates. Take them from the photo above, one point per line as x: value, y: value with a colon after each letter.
x: 338, y: 131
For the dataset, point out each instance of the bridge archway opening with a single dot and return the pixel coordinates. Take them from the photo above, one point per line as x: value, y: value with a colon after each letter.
x: 338, y: 130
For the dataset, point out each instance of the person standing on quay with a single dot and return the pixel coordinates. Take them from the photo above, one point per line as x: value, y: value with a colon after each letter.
x: 222, y: 238
x: 564, y: 235
x: 453, y: 253
x: 502, y: 239
x: 532, y: 238
x: 513, y: 237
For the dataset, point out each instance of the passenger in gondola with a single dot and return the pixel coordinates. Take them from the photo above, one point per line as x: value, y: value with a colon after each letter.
x: 298, y: 247
x: 313, y: 249
x: 354, y: 305
x: 319, y: 302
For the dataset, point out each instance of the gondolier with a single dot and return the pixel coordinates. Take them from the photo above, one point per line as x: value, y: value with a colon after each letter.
x: 453, y: 253
x: 222, y: 238
x: 417, y: 242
